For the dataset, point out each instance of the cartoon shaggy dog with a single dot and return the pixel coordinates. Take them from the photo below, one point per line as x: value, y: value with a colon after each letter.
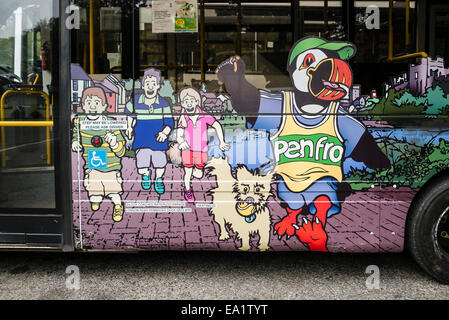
x: 247, y: 213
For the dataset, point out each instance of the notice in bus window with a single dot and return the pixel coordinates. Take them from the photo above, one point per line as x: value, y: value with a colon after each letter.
x: 163, y: 16
x: 175, y: 16
x: 186, y: 18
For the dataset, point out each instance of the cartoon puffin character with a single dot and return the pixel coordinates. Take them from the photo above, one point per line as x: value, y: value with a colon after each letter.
x: 310, y: 133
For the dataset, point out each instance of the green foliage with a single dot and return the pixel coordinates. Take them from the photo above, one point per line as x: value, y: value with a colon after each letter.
x: 436, y: 101
x: 433, y: 103
x: 167, y: 92
x: 6, y: 52
x: 444, y: 146
x: 408, y: 99
x: 372, y: 102
x: 396, y: 102
x: 412, y: 165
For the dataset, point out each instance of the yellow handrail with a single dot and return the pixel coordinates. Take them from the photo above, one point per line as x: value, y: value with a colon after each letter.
x: 35, y: 80
x: 409, y: 56
x: 4, y: 123
x: 390, y: 57
x: 27, y: 123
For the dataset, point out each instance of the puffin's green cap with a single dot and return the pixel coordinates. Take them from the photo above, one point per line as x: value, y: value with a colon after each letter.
x: 345, y: 50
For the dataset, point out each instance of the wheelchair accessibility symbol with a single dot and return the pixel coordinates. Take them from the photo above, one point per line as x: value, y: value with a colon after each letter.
x: 97, y: 159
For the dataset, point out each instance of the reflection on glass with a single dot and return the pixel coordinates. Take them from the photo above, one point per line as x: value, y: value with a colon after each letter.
x: 439, y: 28
x: 105, y: 34
x: 262, y: 36
x: 151, y: 45
x: 372, y: 42
x: 322, y: 19
x: 27, y: 49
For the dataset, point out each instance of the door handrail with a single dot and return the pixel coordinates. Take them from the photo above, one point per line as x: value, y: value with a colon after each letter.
x: 27, y: 124
x: 421, y: 54
x: 47, y: 124
x: 390, y: 57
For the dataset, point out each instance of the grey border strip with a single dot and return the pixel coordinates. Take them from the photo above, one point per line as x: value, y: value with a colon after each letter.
x: 65, y: 164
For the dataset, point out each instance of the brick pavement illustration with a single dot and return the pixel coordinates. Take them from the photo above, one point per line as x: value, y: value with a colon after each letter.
x: 360, y: 225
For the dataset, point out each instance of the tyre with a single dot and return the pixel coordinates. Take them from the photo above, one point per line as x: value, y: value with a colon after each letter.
x: 427, y: 230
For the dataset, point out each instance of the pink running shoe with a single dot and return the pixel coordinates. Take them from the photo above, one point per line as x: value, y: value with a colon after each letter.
x: 188, y: 195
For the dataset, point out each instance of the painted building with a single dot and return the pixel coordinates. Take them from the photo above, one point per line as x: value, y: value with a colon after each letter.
x: 80, y: 81
x: 419, y: 77
x: 115, y: 93
x: 114, y: 89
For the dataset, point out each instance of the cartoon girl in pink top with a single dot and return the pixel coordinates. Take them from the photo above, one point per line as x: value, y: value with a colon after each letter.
x: 192, y: 137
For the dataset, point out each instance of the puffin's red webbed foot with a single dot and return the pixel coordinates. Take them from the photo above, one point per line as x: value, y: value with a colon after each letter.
x: 288, y: 225
x: 312, y: 234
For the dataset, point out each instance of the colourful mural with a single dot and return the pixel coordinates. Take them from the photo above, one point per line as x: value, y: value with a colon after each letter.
x: 314, y: 168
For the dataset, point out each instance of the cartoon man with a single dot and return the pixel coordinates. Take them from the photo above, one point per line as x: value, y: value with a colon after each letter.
x: 192, y: 137
x: 102, y: 153
x: 150, y: 121
x: 311, y: 134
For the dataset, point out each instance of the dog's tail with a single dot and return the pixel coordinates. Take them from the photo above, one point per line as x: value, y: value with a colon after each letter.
x: 222, y: 170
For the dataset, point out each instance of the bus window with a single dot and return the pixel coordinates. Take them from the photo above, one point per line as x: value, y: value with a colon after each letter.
x: 102, y: 44
x: 152, y: 46
x: 372, y: 36
x: 259, y: 32
x: 266, y: 41
x: 439, y: 27
x: 372, y: 27
x: 322, y: 19
x: 28, y: 64
x: 402, y: 51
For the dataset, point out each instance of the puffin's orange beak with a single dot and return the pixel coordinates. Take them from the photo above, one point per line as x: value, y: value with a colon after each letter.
x: 330, y: 80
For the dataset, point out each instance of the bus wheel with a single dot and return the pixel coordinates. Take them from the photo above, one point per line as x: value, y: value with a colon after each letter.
x: 428, y: 231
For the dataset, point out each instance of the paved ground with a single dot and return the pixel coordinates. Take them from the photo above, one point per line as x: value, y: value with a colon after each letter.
x: 359, y: 227
x: 210, y: 275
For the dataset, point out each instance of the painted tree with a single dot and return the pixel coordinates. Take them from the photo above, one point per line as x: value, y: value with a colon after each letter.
x: 436, y: 101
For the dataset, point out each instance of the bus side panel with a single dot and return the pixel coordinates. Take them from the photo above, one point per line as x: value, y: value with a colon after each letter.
x: 417, y: 154
x: 240, y: 201
x: 394, y: 207
x: 363, y: 168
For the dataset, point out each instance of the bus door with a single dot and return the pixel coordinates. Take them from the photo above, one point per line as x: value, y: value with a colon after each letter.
x: 29, y: 209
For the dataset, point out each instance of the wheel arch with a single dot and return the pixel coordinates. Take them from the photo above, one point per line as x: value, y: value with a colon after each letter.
x: 441, y: 175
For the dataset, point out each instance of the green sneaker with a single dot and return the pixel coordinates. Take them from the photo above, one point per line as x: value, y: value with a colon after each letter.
x: 146, y: 182
x: 159, y: 186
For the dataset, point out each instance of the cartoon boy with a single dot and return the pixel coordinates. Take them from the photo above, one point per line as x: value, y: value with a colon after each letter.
x: 150, y: 121
x: 192, y: 137
x: 102, y: 153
